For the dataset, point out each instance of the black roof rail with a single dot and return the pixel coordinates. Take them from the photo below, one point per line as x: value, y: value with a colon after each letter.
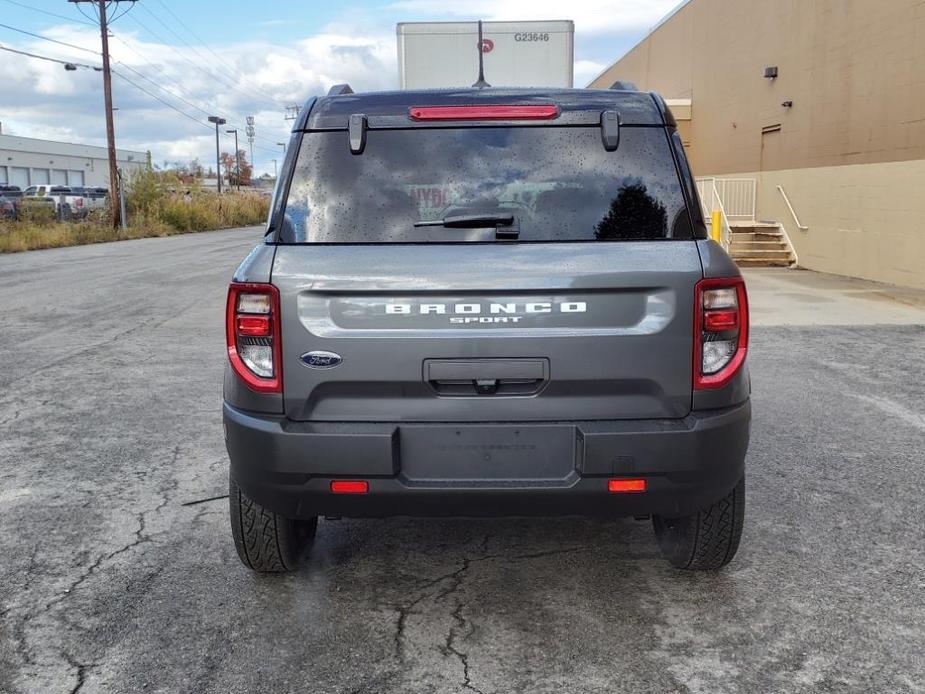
x: 625, y: 86
x: 667, y: 115
x: 301, y: 122
x: 339, y: 90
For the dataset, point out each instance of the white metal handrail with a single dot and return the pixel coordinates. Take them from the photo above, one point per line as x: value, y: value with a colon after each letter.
x: 711, y: 200
x: 796, y: 219
x: 739, y: 196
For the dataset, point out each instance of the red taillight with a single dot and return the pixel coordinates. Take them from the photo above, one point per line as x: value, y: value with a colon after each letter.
x: 720, y: 331
x: 349, y: 486
x: 718, y: 321
x: 253, y: 326
x: 626, y: 486
x: 252, y: 333
x: 495, y: 112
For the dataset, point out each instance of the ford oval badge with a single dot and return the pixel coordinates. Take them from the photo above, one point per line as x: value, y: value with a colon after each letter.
x: 321, y: 360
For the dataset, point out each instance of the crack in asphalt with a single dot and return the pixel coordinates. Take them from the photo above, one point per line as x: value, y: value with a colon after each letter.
x: 92, y: 348
x: 82, y: 670
x: 403, y: 610
x: 141, y: 536
x: 462, y: 628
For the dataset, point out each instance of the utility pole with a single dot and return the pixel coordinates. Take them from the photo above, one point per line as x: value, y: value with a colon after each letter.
x: 275, y: 173
x: 218, y: 157
x: 251, y: 132
x: 237, y: 159
x: 114, y: 200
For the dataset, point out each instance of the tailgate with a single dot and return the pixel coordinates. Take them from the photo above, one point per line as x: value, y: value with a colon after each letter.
x: 487, y: 332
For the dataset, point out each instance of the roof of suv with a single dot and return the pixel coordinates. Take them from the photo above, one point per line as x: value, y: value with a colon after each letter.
x: 333, y: 111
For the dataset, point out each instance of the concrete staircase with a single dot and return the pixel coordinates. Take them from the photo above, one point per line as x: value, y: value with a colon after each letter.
x: 760, y: 244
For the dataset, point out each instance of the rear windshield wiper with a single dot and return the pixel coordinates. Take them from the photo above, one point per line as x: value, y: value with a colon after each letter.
x: 470, y: 221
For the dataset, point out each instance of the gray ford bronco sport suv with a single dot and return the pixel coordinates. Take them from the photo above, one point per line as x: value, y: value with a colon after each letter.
x: 487, y: 302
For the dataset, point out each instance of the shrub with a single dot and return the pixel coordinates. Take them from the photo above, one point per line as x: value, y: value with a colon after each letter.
x: 153, y: 210
x: 34, y: 212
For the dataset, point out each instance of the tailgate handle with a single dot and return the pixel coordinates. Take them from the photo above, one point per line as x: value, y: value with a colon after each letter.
x: 461, y: 377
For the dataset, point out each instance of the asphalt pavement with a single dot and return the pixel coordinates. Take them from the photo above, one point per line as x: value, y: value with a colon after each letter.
x: 117, y: 574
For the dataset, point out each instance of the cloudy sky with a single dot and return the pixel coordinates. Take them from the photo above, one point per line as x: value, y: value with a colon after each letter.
x: 238, y: 58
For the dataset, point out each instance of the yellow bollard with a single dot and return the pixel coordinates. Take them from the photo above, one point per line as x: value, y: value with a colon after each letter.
x: 715, y: 231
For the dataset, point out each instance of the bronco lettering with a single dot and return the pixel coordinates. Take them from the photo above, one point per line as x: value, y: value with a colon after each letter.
x: 469, y: 309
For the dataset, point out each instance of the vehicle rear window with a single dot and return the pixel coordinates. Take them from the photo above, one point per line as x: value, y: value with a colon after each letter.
x: 559, y: 183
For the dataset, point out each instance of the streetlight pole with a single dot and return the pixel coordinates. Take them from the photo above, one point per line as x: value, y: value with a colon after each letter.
x: 283, y: 145
x: 237, y: 159
x: 218, y: 157
x: 275, y: 174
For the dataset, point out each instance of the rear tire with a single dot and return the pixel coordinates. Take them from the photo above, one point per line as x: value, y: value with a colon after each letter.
x: 265, y: 540
x: 706, y: 540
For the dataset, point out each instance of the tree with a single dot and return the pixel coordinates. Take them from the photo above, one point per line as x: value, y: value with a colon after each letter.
x: 247, y: 169
x: 633, y: 214
x: 229, y: 164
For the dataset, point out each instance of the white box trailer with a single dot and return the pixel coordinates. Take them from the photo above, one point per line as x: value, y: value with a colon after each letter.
x: 516, y: 54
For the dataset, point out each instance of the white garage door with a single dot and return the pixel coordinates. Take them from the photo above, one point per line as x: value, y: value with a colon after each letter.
x: 19, y: 176
x: 75, y: 178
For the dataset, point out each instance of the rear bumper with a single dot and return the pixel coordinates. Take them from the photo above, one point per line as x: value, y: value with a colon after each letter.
x: 423, y: 470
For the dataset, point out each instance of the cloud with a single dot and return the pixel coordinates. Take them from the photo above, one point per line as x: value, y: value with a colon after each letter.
x: 590, y: 16
x: 258, y: 77
x: 41, y: 99
x: 587, y: 70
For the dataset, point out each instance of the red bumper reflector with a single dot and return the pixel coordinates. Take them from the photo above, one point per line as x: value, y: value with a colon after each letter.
x: 497, y: 112
x: 625, y: 486
x: 253, y: 326
x: 349, y: 486
x: 719, y: 321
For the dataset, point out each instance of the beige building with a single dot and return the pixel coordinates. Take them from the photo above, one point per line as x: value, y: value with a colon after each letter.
x: 822, y: 102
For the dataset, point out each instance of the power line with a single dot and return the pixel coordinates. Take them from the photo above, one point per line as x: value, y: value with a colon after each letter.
x: 164, y: 89
x: 175, y: 94
x: 215, y: 75
x: 159, y: 99
x: 212, y: 76
x: 50, y: 14
x: 211, y: 73
x: 124, y: 12
x: 205, y: 45
x: 126, y: 79
x: 165, y: 103
x: 95, y: 21
x: 51, y: 60
x: 160, y: 71
x: 45, y: 38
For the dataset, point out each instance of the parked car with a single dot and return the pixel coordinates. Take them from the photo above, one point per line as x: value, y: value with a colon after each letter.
x: 67, y: 203
x: 487, y: 302
x: 10, y: 197
x: 92, y: 198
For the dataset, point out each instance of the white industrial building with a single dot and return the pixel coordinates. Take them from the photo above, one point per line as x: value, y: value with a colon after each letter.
x: 25, y: 161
